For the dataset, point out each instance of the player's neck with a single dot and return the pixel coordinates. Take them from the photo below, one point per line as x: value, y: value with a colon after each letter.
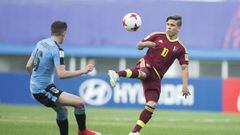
x: 172, y: 38
x: 56, y: 39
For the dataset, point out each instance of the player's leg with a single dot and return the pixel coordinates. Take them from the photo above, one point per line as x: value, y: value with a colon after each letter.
x: 67, y: 99
x: 140, y: 71
x: 80, y: 115
x: 75, y: 101
x: 61, y: 119
x: 49, y: 97
x: 152, y: 97
x: 127, y: 73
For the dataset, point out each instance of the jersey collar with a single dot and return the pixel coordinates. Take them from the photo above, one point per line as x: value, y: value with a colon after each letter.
x: 172, y: 40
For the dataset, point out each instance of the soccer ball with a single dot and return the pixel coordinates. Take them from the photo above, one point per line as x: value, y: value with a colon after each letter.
x: 131, y: 22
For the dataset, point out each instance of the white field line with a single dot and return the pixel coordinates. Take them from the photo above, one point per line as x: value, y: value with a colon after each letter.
x: 124, y: 120
x: 104, y: 123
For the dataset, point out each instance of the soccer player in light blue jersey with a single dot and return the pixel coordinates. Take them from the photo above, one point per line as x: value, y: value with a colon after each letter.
x: 46, y: 58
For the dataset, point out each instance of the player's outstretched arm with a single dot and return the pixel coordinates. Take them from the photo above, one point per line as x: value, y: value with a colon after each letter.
x: 144, y: 44
x: 185, y: 75
x: 29, y: 65
x: 62, y: 73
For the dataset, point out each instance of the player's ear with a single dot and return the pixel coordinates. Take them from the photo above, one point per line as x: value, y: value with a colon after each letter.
x: 179, y: 28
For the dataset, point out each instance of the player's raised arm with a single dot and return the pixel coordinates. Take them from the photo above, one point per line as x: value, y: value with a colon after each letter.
x: 29, y: 65
x: 62, y: 73
x: 147, y: 41
x: 144, y: 44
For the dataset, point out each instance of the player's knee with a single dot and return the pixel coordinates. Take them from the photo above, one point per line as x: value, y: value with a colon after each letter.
x: 79, y: 110
x: 152, y: 104
x: 143, y: 73
x: 62, y: 113
x: 78, y: 103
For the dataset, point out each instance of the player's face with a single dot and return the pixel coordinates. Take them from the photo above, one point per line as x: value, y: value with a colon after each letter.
x: 172, y: 28
x: 63, y: 35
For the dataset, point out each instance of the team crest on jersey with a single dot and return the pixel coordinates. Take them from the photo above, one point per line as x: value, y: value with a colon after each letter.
x: 175, y: 49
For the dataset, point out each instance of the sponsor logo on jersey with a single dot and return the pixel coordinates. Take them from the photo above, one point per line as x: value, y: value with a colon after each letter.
x: 160, y: 41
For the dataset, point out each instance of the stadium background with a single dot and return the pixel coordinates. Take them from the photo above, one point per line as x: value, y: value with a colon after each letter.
x: 211, y: 33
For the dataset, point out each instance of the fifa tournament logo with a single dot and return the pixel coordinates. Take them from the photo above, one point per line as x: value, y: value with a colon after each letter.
x: 232, y: 38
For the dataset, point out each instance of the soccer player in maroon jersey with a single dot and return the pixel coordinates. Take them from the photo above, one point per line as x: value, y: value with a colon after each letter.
x: 163, y: 49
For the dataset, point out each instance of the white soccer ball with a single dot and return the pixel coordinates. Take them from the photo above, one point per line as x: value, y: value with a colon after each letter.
x: 131, y: 22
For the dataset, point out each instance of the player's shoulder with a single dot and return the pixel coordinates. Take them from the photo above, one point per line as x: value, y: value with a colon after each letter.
x: 180, y: 42
x: 43, y: 42
x: 182, y: 45
x: 154, y: 34
x: 158, y: 33
x: 48, y: 44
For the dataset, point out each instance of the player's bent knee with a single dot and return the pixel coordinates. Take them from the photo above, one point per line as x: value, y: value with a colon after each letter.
x: 78, y: 103
x: 143, y: 73
x: 153, y: 104
x: 62, y: 112
x: 79, y: 110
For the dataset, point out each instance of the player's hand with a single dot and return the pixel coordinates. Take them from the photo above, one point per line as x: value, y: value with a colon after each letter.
x: 140, y: 47
x: 186, y: 93
x: 89, y: 68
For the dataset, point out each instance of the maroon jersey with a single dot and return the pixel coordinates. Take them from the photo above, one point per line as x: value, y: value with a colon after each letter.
x: 164, y: 53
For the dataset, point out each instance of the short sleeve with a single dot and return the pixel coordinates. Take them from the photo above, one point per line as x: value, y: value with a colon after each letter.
x: 34, y: 51
x: 150, y: 37
x: 58, y: 56
x: 183, y: 57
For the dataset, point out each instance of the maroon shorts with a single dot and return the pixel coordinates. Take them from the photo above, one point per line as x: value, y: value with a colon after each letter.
x: 152, y: 84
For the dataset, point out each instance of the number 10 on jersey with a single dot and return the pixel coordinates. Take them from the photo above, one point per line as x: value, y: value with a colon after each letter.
x: 164, y: 52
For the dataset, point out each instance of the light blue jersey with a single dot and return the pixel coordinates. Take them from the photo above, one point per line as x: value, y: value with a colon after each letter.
x: 47, y: 55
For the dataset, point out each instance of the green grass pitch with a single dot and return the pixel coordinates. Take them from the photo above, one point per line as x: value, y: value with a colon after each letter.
x: 39, y: 120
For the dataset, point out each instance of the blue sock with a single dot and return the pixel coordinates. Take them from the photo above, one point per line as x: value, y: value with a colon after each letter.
x: 81, y: 118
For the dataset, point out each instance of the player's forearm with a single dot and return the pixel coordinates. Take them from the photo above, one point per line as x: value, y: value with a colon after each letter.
x: 29, y: 69
x: 29, y: 65
x: 70, y: 74
x: 185, y: 76
x: 142, y: 45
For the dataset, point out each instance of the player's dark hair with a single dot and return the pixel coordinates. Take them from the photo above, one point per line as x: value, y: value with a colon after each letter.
x: 176, y: 18
x: 58, y: 27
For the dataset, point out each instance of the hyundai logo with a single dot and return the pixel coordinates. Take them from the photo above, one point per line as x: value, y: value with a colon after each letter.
x: 95, y: 92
